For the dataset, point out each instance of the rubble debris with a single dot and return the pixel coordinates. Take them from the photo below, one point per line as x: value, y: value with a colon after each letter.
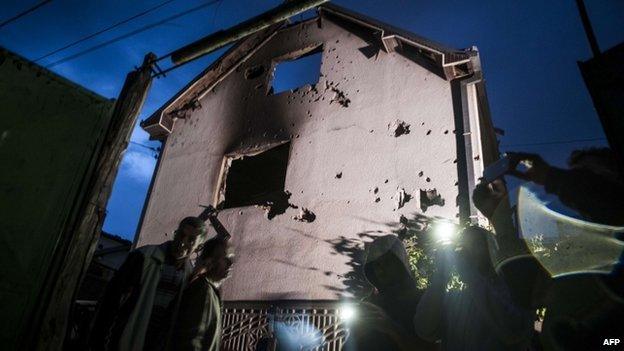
x: 430, y: 197
x: 277, y: 204
x: 339, y: 175
x: 340, y: 98
x: 305, y: 215
x: 402, y: 197
x: 398, y: 128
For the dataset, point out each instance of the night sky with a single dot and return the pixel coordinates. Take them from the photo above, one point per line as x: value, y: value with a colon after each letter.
x: 529, y: 51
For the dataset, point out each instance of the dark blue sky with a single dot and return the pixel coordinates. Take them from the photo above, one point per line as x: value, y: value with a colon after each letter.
x: 529, y: 51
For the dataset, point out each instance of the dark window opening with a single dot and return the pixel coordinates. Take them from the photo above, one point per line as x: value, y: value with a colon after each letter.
x: 297, y: 72
x: 254, y: 180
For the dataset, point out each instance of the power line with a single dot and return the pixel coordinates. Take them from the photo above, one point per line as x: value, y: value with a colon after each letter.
x: 105, y: 29
x: 24, y: 13
x: 571, y: 141
x: 155, y: 149
x: 134, y: 32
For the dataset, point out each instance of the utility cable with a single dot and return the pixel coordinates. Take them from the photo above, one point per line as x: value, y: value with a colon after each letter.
x: 143, y: 13
x: 24, y: 13
x: 155, y: 149
x: 134, y: 32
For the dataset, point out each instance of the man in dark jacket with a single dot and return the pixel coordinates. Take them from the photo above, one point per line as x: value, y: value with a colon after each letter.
x: 198, y: 325
x: 132, y: 312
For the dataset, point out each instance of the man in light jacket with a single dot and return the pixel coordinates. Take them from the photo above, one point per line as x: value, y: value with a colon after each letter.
x: 133, y: 311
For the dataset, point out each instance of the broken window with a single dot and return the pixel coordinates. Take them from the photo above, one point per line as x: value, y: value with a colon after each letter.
x: 294, y: 72
x: 255, y: 178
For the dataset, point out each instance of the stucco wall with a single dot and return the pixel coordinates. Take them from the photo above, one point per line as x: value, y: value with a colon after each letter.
x: 287, y: 259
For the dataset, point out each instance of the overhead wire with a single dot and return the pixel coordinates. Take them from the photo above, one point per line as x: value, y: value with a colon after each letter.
x: 104, y: 30
x: 134, y: 32
x: 23, y: 13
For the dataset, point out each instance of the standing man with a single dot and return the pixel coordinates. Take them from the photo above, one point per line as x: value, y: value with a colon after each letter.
x: 132, y: 312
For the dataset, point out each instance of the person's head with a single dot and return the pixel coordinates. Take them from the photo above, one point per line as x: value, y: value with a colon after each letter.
x: 602, y: 161
x: 386, y: 266
x: 186, y: 237
x: 214, y: 260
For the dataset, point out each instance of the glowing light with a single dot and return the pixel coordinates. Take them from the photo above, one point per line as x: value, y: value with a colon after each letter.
x: 346, y: 313
x: 444, y: 232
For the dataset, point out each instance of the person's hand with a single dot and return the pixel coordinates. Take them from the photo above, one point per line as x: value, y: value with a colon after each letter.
x: 487, y: 196
x: 538, y: 168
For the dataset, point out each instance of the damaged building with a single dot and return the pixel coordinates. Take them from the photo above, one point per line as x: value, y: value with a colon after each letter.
x: 308, y: 167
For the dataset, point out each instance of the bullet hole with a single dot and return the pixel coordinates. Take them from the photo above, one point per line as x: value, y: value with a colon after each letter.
x: 429, y: 132
x: 386, y: 181
x: 455, y: 161
x: 398, y: 128
x: 446, y: 132
x: 377, y: 199
x: 254, y: 72
x: 430, y: 198
x: 428, y: 179
x: 476, y: 158
x: 240, y: 212
x: 456, y: 183
x: 420, y: 174
x: 422, y: 124
x: 375, y: 190
x: 305, y: 215
x: 340, y: 98
x: 348, y: 201
x: 337, y: 41
x: 339, y: 175
x: 372, y: 130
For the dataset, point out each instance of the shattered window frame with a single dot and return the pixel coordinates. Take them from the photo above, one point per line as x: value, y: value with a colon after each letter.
x: 265, y: 188
x: 316, y: 49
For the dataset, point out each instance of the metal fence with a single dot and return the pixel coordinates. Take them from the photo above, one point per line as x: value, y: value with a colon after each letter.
x: 306, y: 325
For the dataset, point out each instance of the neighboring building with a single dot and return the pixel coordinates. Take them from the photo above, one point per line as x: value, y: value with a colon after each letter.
x: 52, y: 137
x: 392, y: 126
x: 109, y: 255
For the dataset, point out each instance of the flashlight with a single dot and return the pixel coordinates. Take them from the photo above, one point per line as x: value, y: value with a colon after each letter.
x: 444, y: 232
x: 346, y: 313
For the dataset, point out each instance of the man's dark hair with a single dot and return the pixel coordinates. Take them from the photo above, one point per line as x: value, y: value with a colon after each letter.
x: 194, y: 222
x: 211, y: 245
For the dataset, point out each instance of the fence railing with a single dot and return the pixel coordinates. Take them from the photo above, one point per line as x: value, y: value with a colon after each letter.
x: 297, y: 325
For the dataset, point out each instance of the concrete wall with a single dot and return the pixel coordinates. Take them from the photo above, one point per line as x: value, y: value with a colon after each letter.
x: 283, y: 258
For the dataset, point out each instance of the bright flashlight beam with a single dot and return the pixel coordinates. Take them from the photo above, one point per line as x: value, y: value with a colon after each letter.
x: 445, y: 232
x: 346, y: 313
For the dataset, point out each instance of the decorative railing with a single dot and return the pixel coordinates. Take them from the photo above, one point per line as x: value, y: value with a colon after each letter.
x: 294, y: 325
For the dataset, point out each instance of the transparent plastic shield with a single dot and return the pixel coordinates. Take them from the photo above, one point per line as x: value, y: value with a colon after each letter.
x: 564, y: 244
